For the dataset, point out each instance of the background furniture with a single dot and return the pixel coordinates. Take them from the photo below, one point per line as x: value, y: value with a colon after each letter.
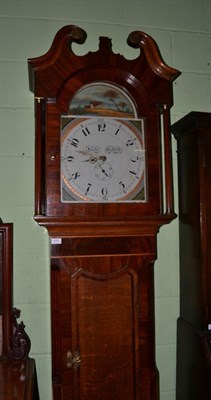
x: 193, y: 134
x: 17, y: 370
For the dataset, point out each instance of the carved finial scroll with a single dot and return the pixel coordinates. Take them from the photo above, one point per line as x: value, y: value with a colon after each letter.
x: 139, y: 39
x: 76, y: 35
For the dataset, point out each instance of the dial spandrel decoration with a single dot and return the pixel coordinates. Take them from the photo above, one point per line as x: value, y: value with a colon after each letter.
x: 102, y: 159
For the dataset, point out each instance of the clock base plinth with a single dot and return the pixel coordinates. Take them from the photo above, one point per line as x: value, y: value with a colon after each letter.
x: 149, y: 389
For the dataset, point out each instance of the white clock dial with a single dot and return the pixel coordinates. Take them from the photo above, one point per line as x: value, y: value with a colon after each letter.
x: 102, y: 159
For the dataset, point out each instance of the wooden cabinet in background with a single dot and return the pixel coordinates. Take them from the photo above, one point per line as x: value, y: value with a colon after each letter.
x: 18, y: 379
x: 193, y: 134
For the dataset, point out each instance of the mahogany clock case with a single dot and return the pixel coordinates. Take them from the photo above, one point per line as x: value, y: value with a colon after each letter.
x: 102, y: 253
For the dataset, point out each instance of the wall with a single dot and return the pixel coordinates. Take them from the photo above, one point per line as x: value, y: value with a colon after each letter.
x: 182, y: 30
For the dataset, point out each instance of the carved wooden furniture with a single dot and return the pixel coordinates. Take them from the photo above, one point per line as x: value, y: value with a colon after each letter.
x: 17, y: 370
x: 18, y: 380
x: 102, y: 251
x: 193, y: 134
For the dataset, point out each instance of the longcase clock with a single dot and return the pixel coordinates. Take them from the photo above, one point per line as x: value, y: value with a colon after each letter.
x: 193, y: 134
x: 103, y: 188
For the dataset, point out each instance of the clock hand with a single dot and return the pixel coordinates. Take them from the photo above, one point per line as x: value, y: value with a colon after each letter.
x: 84, y: 153
x: 103, y: 170
x: 92, y: 157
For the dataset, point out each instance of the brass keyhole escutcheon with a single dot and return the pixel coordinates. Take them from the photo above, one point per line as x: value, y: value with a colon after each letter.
x: 73, y: 359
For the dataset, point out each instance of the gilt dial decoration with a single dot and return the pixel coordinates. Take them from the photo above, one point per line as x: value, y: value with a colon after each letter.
x: 102, y: 159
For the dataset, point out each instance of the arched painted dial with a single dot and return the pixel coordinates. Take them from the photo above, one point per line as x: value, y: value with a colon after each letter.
x: 102, y: 159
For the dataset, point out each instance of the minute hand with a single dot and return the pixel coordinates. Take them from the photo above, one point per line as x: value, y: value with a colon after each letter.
x: 93, y: 158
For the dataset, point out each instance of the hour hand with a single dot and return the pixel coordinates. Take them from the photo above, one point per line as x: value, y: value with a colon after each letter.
x: 93, y: 158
